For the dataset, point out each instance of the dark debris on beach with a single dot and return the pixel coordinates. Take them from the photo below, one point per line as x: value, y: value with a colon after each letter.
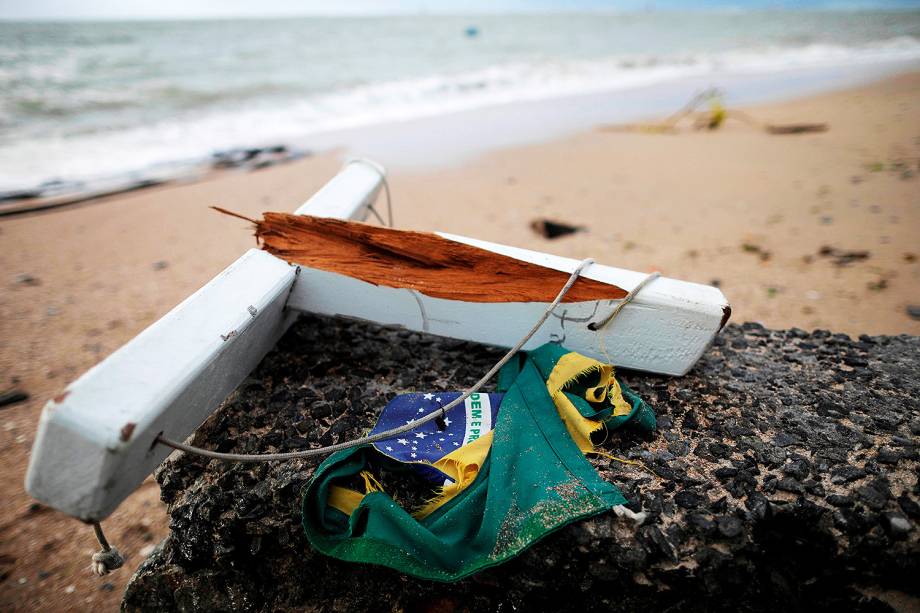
x: 785, y: 475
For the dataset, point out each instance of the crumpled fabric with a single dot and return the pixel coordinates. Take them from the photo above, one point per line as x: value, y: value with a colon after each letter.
x: 512, y: 487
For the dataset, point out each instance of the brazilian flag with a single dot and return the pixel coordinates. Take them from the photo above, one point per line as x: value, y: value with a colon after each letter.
x: 508, y: 470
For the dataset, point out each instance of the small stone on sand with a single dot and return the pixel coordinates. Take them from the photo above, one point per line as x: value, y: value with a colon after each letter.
x: 25, y: 278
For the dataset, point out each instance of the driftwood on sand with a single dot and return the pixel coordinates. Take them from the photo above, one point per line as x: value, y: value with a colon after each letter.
x: 712, y: 119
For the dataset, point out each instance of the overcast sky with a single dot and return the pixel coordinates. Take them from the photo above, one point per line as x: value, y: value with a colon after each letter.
x: 147, y: 9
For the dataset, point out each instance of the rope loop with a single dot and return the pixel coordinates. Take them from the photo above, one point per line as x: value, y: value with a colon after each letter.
x: 386, y: 188
x: 108, y: 558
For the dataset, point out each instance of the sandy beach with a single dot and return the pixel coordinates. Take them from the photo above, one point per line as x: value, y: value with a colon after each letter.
x: 808, y: 231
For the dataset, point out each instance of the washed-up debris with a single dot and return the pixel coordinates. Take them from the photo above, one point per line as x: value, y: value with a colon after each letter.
x: 905, y: 168
x: 913, y: 311
x: 550, y: 229
x: 762, y: 253
x: 25, y: 278
x: 509, y: 469
x: 20, y: 194
x: 160, y: 265
x: 796, y: 128
x: 713, y: 118
x: 842, y: 257
x: 59, y: 193
x: 255, y: 157
x: 12, y: 397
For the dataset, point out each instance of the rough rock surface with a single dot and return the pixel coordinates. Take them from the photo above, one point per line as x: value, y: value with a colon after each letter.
x: 785, y: 475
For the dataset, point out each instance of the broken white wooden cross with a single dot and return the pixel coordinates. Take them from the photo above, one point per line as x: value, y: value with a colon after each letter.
x: 96, y: 441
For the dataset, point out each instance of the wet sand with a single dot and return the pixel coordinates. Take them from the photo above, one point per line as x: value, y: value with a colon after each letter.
x: 769, y: 218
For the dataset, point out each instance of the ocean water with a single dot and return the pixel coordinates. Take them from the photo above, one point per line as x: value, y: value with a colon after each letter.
x: 80, y: 101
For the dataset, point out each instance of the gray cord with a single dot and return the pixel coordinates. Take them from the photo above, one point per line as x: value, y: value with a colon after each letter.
x: 599, y: 325
x: 307, y: 453
x: 386, y: 189
x: 108, y: 559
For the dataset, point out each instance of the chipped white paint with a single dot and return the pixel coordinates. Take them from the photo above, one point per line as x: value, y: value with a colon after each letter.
x: 95, y: 442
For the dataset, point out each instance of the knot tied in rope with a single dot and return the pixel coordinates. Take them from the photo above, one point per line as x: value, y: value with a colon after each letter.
x: 108, y: 559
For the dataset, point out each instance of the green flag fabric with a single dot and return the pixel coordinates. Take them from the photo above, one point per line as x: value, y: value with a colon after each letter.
x: 503, y: 492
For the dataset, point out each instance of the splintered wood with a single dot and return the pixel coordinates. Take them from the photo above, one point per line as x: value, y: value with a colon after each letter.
x: 428, y: 263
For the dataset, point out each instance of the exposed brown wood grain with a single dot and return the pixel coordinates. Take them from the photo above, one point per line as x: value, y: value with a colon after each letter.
x: 422, y: 261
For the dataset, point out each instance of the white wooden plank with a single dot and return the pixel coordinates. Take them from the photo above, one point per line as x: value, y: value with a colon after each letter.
x: 664, y: 330
x: 347, y: 195
x: 94, y: 444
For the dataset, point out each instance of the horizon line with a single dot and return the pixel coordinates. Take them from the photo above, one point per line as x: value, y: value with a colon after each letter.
x: 477, y: 13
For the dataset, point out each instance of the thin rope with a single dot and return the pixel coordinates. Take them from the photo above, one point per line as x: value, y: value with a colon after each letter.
x: 307, y: 453
x: 108, y: 559
x: 610, y: 456
x: 594, y: 326
x: 597, y: 326
x: 386, y: 189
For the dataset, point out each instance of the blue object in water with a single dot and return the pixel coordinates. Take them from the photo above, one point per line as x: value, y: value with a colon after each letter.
x: 472, y: 32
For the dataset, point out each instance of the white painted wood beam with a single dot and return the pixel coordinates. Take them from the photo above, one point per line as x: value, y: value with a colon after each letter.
x: 664, y: 330
x: 94, y: 444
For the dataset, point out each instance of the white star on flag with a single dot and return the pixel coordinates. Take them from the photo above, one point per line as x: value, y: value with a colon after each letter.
x: 413, y: 455
x: 428, y: 396
x: 403, y: 441
x: 456, y: 444
x: 419, y: 435
x: 388, y: 448
x: 410, y: 421
x: 421, y: 410
x: 447, y: 421
x: 438, y: 399
x: 441, y: 439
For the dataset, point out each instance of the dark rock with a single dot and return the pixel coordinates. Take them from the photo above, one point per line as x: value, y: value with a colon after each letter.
x: 846, y: 474
x: 840, y: 501
x: 788, y: 484
x: 873, y: 498
x: 701, y: 522
x: 688, y: 499
x: 797, y: 468
x: 548, y: 228
x: 12, y: 397
x: 771, y: 487
x: 897, y: 525
x: 784, y: 439
x: 730, y: 526
x: 911, y: 507
x: 888, y: 456
x: 25, y: 278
